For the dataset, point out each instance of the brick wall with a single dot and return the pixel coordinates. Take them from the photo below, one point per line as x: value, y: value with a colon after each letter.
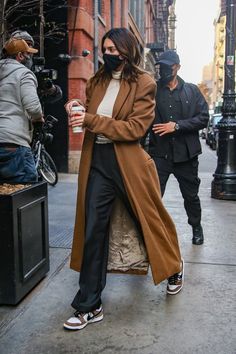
x: 81, y: 36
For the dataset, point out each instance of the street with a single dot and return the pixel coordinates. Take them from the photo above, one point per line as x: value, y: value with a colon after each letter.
x: 138, y: 317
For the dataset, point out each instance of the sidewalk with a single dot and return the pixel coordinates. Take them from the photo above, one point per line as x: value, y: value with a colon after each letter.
x: 139, y: 317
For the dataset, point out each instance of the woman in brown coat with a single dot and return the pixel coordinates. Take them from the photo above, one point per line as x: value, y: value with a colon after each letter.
x: 119, y: 110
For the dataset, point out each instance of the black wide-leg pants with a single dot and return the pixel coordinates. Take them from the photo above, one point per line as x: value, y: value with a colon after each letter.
x: 104, y: 185
x: 186, y: 174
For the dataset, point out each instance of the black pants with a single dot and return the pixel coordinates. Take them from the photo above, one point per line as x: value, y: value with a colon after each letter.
x: 104, y: 185
x: 186, y: 174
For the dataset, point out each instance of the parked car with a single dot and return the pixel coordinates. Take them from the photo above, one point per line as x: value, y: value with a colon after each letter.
x: 212, y: 131
x: 203, y: 133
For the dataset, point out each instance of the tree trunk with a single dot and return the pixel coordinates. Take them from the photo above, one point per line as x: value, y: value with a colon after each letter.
x: 2, y: 22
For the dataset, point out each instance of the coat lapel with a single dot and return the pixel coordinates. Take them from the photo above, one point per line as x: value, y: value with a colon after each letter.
x: 97, y: 96
x: 99, y: 93
x: 124, y: 91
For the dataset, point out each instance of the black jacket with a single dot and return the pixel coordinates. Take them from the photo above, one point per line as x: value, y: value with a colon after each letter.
x: 186, y: 139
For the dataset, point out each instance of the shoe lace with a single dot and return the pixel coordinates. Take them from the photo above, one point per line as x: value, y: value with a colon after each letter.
x: 92, y: 313
x: 174, y: 279
x: 78, y: 313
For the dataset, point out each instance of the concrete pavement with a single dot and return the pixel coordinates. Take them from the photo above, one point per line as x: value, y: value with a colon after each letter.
x: 139, y: 317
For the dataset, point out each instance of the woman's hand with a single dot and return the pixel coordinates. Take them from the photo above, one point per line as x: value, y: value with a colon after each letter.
x: 70, y: 104
x: 76, y: 117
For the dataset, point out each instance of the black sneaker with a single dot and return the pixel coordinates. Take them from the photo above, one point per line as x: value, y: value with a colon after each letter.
x: 176, y: 282
x: 81, y: 320
x: 198, y: 237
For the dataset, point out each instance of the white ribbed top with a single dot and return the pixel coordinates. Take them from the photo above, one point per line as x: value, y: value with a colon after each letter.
x: 106, y: 106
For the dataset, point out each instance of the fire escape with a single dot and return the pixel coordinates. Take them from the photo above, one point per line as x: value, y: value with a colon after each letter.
x: 172, y: 26
x: 161, y: 27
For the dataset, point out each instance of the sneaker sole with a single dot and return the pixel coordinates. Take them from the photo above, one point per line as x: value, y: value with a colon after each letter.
x: 76, y: 328
x: 174, y: 292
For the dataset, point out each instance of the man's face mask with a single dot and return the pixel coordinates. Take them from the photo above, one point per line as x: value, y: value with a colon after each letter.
x: 166, y: 74
x: 111, y: 62
x: 27, y: 61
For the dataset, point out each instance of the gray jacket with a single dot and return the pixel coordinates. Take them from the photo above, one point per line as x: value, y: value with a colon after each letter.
x: 19, y: 102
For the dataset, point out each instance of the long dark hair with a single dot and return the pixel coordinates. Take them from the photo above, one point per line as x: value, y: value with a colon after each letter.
x: 127, y: 46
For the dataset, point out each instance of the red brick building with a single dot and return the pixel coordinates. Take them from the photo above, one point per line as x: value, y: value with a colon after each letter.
x: 69, y: 27
x: 87, y: 23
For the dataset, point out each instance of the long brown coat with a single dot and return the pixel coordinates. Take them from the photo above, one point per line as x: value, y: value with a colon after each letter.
x: 133, y: 113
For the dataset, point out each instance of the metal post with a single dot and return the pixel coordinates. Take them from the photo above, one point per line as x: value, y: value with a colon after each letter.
x: 224, y: 182
x: 95, y: 48
x: 112, y: 13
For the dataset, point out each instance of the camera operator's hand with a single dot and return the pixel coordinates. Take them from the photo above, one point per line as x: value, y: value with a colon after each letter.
x: 48, y: 84
x: 51, y: 91
x: 38, y: 120
x: 37, y: 124
x: 50, y: 94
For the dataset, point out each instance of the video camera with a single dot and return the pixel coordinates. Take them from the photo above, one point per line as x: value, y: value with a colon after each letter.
x: 42, y: 131
x: 44, y: 76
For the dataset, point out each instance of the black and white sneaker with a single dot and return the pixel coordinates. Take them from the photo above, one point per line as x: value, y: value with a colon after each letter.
x: 176, y: 282
x: 81, y: 320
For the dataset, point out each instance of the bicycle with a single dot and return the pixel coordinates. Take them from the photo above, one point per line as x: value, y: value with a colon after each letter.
x: 45, y: 165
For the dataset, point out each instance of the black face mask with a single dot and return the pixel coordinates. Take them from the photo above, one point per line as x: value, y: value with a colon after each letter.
x: 111, y: 62
x: 166, y: 74
x: 28, y: 61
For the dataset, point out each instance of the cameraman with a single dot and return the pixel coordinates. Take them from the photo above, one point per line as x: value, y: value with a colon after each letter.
x: 19, y: 108
x: 48, y: 92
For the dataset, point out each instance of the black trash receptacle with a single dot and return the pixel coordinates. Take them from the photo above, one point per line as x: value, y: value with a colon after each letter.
x: 24, y: 249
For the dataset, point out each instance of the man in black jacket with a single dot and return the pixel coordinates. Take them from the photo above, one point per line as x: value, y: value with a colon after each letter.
x: 174, y: 144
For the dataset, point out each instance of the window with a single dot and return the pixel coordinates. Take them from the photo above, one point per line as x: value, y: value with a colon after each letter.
x: 100, y: 7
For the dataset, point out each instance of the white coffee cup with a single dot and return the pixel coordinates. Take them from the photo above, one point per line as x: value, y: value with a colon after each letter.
x: 75, y: 109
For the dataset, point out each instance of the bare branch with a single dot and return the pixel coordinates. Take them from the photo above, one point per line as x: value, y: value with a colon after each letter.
x: 21, y: 5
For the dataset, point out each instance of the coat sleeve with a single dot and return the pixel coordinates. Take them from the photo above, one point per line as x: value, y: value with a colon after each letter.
x: 88, y: 92
x: 136, y: 123
x: 201, y: 114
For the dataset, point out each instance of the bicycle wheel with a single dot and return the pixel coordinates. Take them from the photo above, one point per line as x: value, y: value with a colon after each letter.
x: 48, y: 168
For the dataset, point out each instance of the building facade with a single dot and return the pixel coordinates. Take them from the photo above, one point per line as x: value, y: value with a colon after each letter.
x: 219, y: 60
x: 172, y: 26
x: 87, y: 24
x: 164, y: 27
x: 149, y: 20
x: 69, y: 34
x: 219, y: 57
x: 206, y: 85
